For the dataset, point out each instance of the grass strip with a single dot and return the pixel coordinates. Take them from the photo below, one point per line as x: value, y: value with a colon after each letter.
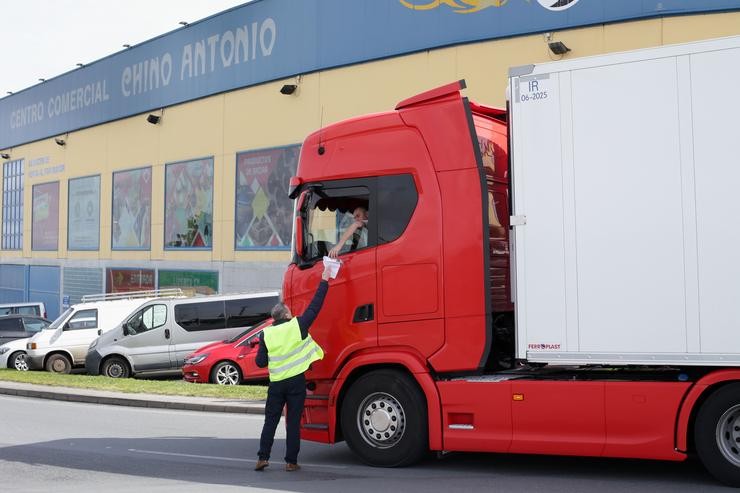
x: 136, y: 385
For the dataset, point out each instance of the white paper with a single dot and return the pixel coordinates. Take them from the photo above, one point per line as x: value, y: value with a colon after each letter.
x: 334, y: 265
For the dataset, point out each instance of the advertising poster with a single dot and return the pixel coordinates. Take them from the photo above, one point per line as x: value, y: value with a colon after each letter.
x: 127, y: 280
x: 83, y: 214
x: 132, y: 207
x: 263, y: 210
x: 200, y: 282
x: 188, y: 206
x: 45, y: 218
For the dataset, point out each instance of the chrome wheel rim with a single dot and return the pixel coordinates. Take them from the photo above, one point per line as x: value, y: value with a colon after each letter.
x: 728, y: 435
x: 115, y: 370
x: 20, y: 362
x: 227, y: 375
x: 381, y: 420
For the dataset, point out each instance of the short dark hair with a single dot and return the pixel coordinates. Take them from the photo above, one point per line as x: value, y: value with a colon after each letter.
x: 279, y: 312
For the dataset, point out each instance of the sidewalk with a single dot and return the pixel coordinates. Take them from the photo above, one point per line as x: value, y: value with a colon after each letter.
x: 207, y: 404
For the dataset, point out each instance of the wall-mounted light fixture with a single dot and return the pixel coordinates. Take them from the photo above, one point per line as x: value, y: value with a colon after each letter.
x: 42, y: 80
x: 5, y: 155
x: 154, y: 118
x: 60, y: 141
x: 288, y: 89
x: 558, y: 47
x: 80, y: 64
x: 127, y: 46
x: 10, y: 92
x: 183, y: 23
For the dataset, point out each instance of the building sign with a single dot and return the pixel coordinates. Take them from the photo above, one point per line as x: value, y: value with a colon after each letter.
x: 263, y: 210
x: 127, y: 280
x: 271, y: 39
x: 188, y: 204
x: 202, y: 282
x: 132, y: 205
x: 45, y: 216
x: 83, y: 213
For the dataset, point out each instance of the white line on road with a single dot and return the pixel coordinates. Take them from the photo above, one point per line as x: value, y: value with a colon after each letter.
x: 155, y: 452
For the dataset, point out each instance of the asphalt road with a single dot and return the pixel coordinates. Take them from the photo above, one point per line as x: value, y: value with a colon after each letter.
x: 60, y: 446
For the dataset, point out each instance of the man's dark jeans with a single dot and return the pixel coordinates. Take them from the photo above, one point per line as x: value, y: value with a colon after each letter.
x: 292, y: 392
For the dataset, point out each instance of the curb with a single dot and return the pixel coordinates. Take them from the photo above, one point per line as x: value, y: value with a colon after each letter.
x: 203, y: 404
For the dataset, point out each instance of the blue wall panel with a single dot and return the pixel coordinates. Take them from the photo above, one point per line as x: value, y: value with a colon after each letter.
x: 271, y: 39
x: 43, y: 285
x: 12, y: 283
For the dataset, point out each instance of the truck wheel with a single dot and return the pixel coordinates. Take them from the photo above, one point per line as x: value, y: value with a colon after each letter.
x: 717, y: 434
x: 384, y: 419
x: 18, y: 361
x: 226, y: 373
x: 58, y: 363
x: 115, y: 367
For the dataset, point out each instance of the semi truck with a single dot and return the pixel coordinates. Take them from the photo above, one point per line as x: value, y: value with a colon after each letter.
x: 558, y: 277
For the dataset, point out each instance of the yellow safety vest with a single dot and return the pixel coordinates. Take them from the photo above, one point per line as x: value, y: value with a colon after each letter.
x: 288, y: 354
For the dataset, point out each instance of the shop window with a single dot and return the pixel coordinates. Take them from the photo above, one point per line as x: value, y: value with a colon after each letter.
x: 12, y: 212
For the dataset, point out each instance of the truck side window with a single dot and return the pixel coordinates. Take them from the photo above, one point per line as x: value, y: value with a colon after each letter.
x: 397, y: 198
x: 330, y: 213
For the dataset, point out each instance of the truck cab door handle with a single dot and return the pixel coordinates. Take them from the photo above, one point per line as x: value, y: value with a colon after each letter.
x: 166, y: 333
x: 364, y: 313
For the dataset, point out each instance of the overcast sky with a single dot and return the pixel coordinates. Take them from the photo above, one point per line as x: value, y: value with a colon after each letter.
x: 45, y: 38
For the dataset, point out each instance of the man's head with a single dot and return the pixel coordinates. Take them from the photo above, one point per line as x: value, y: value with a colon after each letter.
x: 281, y: 312
x: 360, y: 214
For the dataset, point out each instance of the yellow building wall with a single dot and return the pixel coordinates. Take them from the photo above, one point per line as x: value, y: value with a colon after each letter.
x: 260, y: 117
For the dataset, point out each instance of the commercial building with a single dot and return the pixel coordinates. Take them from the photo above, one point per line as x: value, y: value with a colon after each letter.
x: 167, y: 163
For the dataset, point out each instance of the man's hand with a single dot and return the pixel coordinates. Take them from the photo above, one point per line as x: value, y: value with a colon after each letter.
x: 326, y: 274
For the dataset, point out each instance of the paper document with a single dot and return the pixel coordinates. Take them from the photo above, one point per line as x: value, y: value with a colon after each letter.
x: 334, y: 265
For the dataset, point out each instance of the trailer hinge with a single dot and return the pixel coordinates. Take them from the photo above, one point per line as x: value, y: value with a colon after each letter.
x: 517, y: 220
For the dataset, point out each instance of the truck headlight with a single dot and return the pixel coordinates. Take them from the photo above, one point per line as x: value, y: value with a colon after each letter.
x: 4, y: 349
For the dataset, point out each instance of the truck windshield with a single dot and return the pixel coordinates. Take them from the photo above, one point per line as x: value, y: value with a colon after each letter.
x: 60, y: 319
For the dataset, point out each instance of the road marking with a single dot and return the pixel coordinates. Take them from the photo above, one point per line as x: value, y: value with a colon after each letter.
x: 193, y: 456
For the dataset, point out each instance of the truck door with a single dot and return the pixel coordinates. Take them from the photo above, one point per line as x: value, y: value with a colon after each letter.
x: 147, y: 342
x: 347, y: 321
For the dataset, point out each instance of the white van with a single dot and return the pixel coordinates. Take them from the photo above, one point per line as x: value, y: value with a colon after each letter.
x: 63, y: 345
x: 161, y: 333
x: 28, y: 308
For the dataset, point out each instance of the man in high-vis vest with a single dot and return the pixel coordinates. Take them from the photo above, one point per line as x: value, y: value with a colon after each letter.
x: 287, y: 350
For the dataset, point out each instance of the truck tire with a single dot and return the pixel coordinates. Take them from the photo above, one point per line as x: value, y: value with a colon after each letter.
x: 115, y: 367
x: 18, y: 361
x: 58, y: 363
x: 384, y: 419
x: 717, y: 434
x: 226, y: 373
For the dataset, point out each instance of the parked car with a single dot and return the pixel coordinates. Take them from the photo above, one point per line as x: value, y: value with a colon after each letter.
x: 13, y: 355
x: 161, y: 333
x: 229, y: 362
x: 28, y: 308
x: 63, y: 344
x: 14, y: 327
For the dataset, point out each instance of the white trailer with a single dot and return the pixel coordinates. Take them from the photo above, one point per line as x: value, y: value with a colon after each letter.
x: 626, y: 170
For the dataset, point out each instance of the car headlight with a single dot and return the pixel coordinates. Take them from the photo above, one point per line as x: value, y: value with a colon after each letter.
x: 93, y: 344
x: 194, y: 360
x: 4, y: 349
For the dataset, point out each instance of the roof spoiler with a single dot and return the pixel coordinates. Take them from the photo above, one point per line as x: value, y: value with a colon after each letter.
x: 437, y: 93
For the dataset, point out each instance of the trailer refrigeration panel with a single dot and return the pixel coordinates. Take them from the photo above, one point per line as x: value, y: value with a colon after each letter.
x: 625, y: 173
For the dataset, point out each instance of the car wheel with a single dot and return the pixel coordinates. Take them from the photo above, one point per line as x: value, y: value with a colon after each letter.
x: 226, y: 373
x: 116, y: 367
x: 384, y: 419
x: 717, y: 434
x: 18, y: 361
x: 58, y: 363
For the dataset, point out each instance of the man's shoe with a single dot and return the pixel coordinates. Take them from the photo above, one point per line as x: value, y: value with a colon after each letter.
x: 291, y: 467
x: 261, y: 464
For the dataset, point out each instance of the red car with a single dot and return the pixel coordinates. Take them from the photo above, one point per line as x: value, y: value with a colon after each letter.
x: 229, y: 362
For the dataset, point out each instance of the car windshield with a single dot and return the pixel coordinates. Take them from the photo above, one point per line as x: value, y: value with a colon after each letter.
x: 60, y: 319
x: 251, y: 330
